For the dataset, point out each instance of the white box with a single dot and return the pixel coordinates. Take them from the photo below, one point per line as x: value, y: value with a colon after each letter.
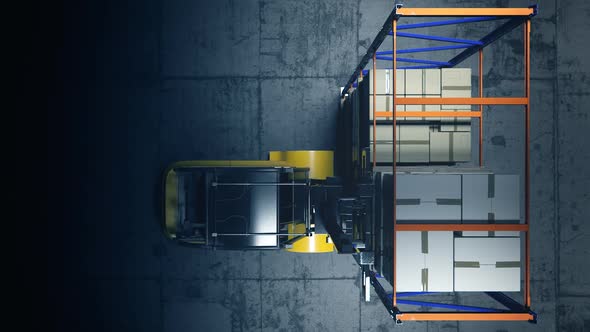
x: 480, y: 191
x: 409, y: 262
x: 381, y: 80
x: 384, y: 133
x: 432, y: 80
x: 400, y: 82
x: 384, y: 152
x: 439, y: 147
x: 384, y: 104
x: 422, y: 108
x: 384, y: 146
x: 450, y: 146
x: 432, y: 108
x: 487, y: 264
x: 429, y: 187
x: 424, y: 261
x: 414, y: 143
x: 384, y: 81
x: 456, y: 82
x: 454, y: 126
x: 414, y: 108
x: 439, y: 261
x: 456, y: 77
x: 414, y: 82
x: 477, y: 205
x: 428, y: 197
x: 461, y: 146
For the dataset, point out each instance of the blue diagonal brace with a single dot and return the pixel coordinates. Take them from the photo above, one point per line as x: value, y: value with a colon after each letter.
x: 488, y: 39
x: 448, y: 306
x: 419, y: 67
x: 372, y: 48
x: 447, y: 22
x: 507, y: 301
x: 407, y: 294
x: 426, y: 49
x: 438, y: 38
x: 428, y: 62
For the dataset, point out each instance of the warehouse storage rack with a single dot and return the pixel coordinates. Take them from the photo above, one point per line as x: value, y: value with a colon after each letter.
x: 514, y: 17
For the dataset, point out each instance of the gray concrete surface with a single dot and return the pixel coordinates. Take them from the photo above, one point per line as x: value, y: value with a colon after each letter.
x: 146, y: 83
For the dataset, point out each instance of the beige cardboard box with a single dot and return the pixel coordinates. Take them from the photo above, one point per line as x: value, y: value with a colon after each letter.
x: 432, y: 80
x: 450, y: 146
x: 384, y: 81
x: 414, y: 82
x: 455, y: 126
x: 456, y: 82
x: 384, y: 104
x: 424, y: 261
x: 384, y: 146
x: 425, y: 197
x: 487, y: 264
x: 385, y: 152
x: 422, y: 108
x: 414, y: 143
x: 414, y: 108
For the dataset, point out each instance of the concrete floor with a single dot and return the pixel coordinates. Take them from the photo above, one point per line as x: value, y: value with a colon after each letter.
x: 146, y: 83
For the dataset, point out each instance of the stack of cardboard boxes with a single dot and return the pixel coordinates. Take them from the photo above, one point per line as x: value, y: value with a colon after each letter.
x: 444, y: 261
x: 421, y: 140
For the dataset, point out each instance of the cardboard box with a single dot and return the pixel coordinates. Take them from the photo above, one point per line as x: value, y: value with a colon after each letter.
x: 384, y: 146
x: 427, y: 83
x: 384, y: 133
x: 491, y: 198
x: 487, y: 264
x: 450, y: 146
x: 432, y: 108
x: 477, y: 203
x: 422, y: 108
x: 454, y: 126
x: 384, y: 104
x: 414, y: 82
x: 456, y: 82
x: 414, y: 143
x: 414, y: 108
x: 432, y: 81
x: 384, y: 81
x: 424, y: 261
x: 425, y: 197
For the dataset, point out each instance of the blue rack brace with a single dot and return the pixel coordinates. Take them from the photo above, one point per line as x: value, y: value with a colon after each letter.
x: 488, y: 39
x: 372, y: 49
x: 439, y: 38
x: 408, y: 294
x: 419, y: 67
x: 447, y: 22
x: 426, y: 49
x: 428, y: 62
x: 448, y: 306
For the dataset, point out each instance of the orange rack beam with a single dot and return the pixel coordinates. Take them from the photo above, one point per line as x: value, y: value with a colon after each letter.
x: 462, y: 101
x: 462, y: 227
x: 464, y: 11
x: 430, y: 114
x: 410, y: 316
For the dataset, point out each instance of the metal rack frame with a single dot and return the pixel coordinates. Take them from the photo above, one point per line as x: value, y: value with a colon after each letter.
x: 515, y: 17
